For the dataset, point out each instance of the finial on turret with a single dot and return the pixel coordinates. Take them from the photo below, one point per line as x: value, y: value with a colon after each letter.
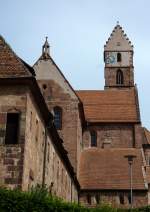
x: 46, y: 49
x: 117, y: 22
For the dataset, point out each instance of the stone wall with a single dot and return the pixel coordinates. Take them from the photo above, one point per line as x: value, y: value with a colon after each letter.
x: 57, y: 178
x: 34, y: 146
x: 115, y: 198
x: 71, y: 131
x: 38, y: 142
x: 110, y: 76
x: 12, y: 100
x: 119, y: 135
x: 22, y: 164
x: 139, y: 136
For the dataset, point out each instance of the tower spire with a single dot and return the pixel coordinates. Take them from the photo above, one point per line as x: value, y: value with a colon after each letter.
x: 46, y: 50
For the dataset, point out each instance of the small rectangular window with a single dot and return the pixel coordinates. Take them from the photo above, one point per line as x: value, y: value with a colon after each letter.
x: 97, y: 198
x: 121, y: 198
x: 89, y: 199
x: 129, y: 198
x: 12, y: 126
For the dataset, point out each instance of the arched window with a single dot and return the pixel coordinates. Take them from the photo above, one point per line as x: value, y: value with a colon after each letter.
x: 118, y: 57
x: 119, y: 77
x: 93, y: 138
x: 58, y: 117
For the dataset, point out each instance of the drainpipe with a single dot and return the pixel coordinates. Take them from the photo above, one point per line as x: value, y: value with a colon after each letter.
x: 44, y: 159
x: 71, y: 190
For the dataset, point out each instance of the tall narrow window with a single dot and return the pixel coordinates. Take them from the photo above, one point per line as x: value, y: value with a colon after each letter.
x: 58, y: 117
x: 119, y: 77
x: 12, y: 127
x: 118, y: 57
x: 121, y: 198
x: 89, y: 199
x: 129, y: 198
x: 97, y: 198
x: 93, y: 138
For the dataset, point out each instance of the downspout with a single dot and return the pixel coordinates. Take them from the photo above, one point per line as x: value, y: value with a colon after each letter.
x: 45, y: 151
x: 44, y: 159
x: 71, y: 190
x: 78, y: 197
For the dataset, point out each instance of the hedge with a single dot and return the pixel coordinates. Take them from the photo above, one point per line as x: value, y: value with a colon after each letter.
x: 39, y: 200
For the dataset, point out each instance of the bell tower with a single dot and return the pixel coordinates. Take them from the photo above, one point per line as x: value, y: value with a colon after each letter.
x: 118, y: 59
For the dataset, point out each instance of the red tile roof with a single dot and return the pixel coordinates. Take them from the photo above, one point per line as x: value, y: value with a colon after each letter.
x: 10, y: 64
x: 108, y: 169
x: 109, y: 105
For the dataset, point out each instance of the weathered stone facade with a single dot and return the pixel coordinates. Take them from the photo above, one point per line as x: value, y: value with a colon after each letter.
x: 120, y: 135
x: 62, y: 130
x: 12, y: 99
x: 57, y: 92
x: 113, y: 198
x: 114, y: 130
x: 34, y: 154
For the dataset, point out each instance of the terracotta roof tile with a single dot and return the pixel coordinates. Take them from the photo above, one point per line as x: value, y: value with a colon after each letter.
x: 108, y: 169
x: 109, y: 105
x: 10, y: 64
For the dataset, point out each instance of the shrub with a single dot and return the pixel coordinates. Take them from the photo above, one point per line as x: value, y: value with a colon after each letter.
x: 39, y: 200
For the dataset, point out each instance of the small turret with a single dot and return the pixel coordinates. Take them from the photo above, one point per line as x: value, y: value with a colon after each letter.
x: 46, y: 50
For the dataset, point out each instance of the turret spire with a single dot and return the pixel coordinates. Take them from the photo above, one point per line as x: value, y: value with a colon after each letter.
x: 46, y: 50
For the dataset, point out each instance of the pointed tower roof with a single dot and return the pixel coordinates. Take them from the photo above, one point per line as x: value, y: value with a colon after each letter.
x: 118, y: 40
x: 11, y: 66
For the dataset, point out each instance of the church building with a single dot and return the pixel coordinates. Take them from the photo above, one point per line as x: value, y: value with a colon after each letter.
x: 87, y: 146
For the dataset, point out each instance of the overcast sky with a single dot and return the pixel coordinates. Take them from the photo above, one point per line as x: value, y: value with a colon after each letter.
x: 77, y: 31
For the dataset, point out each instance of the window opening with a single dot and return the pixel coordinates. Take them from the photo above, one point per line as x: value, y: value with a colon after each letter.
x: 12, y: 127
x: 119, y: 77
x: 121, y: 198
x: 89, y: 199
x: 118, y: 57
x: 58, y: 118
x: 93, y: 139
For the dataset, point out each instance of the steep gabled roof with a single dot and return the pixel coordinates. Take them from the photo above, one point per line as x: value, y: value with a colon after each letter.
x: 110, y: 105
x: 118, y: 41
x: 50, y: 72
x: 102, y: 169
x: 11, y: 66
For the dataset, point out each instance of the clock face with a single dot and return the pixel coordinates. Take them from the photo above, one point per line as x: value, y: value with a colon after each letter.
x: 110, y: 58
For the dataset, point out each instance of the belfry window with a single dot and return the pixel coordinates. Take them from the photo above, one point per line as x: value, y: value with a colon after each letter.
x: 93, y: 139
x: 12, y: 128
x: 58, y: 117
x: 118, y: 57
x: 119, y: 77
